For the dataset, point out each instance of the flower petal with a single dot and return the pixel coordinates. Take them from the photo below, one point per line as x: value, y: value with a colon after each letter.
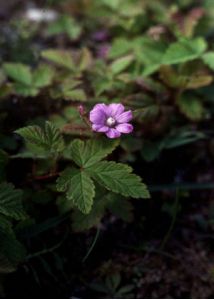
x: 125, y: 117
x: 124, y: 128
x: 115, y: 109
x: 100, y: 128
x: 113, y: 133
x: 98, y: 114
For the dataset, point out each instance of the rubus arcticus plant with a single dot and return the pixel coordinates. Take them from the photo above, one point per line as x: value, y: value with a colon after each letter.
x: 86, y: 177
x: 99, y: 99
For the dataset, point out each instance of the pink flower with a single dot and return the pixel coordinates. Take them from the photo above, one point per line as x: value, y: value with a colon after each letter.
x: 111, y: 119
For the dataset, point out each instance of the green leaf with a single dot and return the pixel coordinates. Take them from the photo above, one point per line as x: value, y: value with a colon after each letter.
x: 113, y: 4
x: 208, y: 59
x: 85, y: 154
x: 65, y: 24
x: 43, y: 76
x: 48, y: 139
x: 11, y: 251
x: 191, y: 81
x: 74, y: 95
x: 184, y: 50
x: 10, y: 202
x: 181, y: 137
x: 61, y: 58
x: 121, y: 64
x: 85, y: 60
x: 18, y: 72
x: 118, y: 178
x: 151, y: 55
x: 119, y: 47
x: 79, y: 188
x: 63, y: 181
x: 191, y: 107
x: 26, y: 91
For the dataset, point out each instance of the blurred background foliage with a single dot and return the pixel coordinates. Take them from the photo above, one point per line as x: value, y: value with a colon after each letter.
x: 157, y: 58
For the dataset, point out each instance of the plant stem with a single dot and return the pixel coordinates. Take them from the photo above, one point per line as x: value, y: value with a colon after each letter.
x: 92, y: 245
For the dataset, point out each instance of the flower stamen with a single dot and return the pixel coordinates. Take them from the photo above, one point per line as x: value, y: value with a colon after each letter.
x: 110, y: 122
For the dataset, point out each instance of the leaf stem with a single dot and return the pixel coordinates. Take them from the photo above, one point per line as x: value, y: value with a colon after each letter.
x: 92, y: 245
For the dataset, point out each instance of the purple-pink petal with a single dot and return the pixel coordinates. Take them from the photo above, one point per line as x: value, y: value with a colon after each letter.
x: 115, y: 109
x: 113, y: 133
x: 100, y: 128
x: 98, y: 114
x: 124, y: 128
x: 124, y: 117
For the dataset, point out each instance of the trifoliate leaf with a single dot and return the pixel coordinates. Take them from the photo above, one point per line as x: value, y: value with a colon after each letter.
x: 184, y: 50
x: 85, y: 154
x: 120, y: 46
x: 79, y: 188
x: 61, y: 58
x: 10, y: 202
x: 63, y: 181
x: 18, y: 72
x: 47, y: 139
x: 74, y: 95
x: 25, y: 90
x: 43, y: 76
x: 118, y: 178
x: 191, y: 81
x: 121, y: 64
x: 208, y: 59
x: 65, y: 24
x: 11, y: 251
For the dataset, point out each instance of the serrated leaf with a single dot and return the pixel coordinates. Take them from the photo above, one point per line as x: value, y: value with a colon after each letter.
x: 191, y: 107
x: 74, y: 95
x: 184, y: 50
x: 65, y: 24
x: 79, y: 188
x: 208, y: 59
x: 63, y: 181
x: 62, y: 58
x: 118, y: 178
x: 85, y: 59
x: 176, y: 80
x: 11, y: 251
x: 48, y: 139
x: 197, y: 81
x: 85, y: 154
x: 119, y: 47
x: 18, y: 72
x: 25, y: 90
x: 113, y: 4
x: 121, y: 64
x: 151, y: 55
x: 43, y: 76
x: 10, y: 202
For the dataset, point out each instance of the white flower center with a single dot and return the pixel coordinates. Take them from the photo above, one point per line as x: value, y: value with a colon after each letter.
x: 110, y: 122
